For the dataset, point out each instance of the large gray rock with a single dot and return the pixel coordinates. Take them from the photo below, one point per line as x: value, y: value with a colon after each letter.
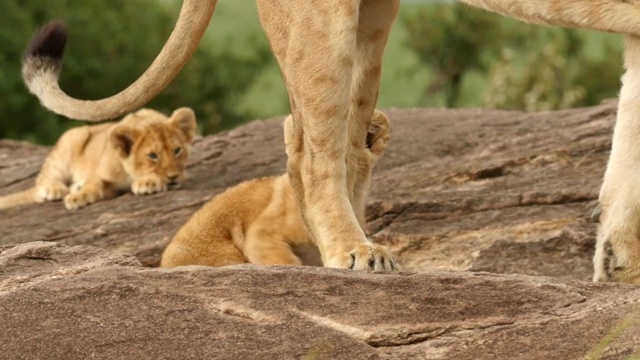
x: 459, y: 195
x: 498, y: 191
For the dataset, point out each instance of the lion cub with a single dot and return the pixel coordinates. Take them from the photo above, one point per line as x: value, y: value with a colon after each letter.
x: 145, y: 152
x: 259, y: 221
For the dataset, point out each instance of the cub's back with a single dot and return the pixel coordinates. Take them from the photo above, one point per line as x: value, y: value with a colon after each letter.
x: 214, y: 234
x: 81, y: 146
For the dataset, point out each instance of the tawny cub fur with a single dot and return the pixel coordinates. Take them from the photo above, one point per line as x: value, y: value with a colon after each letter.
x: 146, y: 152
x: 259, y: 221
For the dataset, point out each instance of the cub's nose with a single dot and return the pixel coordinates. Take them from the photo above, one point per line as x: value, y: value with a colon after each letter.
x: 173, y: 179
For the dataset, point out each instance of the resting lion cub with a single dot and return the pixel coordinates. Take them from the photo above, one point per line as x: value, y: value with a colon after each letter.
x: 259, y: 221
x: 146, y: 152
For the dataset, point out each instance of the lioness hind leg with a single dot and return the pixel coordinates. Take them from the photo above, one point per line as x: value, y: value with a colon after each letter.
x: 617, y: 256
x: 376, y: 18
x: 375, y: 143
x: 316, y: 48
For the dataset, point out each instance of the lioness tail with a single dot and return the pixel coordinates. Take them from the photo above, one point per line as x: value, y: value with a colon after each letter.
x: 42, y: 63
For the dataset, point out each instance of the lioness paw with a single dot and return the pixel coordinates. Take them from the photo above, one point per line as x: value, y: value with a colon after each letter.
x: 366, y: 257
x: 74, y: 201
x: 148, y: 185
x: 51, y: 192
x: 617, y: 257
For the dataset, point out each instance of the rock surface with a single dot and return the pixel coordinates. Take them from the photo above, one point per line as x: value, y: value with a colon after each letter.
x: 497, y: 191
x: 102, y: 306
x: 457, y: 190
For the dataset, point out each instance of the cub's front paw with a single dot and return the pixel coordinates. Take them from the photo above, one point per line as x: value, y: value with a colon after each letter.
x: 148, y: 185
x: 378, y: 133
x: 51, y: 192
x: 80, y: 199
x: 366, y: 257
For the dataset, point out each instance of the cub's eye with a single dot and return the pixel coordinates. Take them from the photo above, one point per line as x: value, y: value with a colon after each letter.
x: 177, y: 151
x: 152, y: 156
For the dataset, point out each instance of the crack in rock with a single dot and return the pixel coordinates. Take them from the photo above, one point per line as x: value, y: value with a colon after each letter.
x: 231, y: 308
x: 402, y: 335
x: 381, y: 215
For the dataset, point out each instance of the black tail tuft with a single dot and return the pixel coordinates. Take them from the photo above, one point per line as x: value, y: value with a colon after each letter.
x: 48, y: 42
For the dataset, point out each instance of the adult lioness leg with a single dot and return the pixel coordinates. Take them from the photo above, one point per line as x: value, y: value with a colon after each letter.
x: 376, y: 142
x: 617, y: 254
x: 315, y: 44
x: 375, y: 20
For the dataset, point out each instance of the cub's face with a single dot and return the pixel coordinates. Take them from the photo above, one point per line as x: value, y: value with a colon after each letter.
x: 154, y: 147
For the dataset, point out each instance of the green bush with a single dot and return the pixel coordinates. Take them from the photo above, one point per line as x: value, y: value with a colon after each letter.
x: 479, y: 57
x: 111, y: 42
x: 557, y: 73
x: 451, y: 40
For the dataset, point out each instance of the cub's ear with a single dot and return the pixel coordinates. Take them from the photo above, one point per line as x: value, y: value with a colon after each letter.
x: 122, y: 139
x: 184, y: 119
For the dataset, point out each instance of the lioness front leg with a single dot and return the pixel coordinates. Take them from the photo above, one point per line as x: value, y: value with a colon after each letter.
x: 617, y: 256
x: 318, y: 48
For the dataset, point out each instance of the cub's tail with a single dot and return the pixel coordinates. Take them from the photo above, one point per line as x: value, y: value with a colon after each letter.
x: 618, y: 16
x: 42, y: 64
x: 20, y: 198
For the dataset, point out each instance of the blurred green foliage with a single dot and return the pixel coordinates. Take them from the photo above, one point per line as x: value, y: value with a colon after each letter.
x: 111, y: 43
x: 509, y: 64
x: 450, y: 40
x: 438, y: 55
